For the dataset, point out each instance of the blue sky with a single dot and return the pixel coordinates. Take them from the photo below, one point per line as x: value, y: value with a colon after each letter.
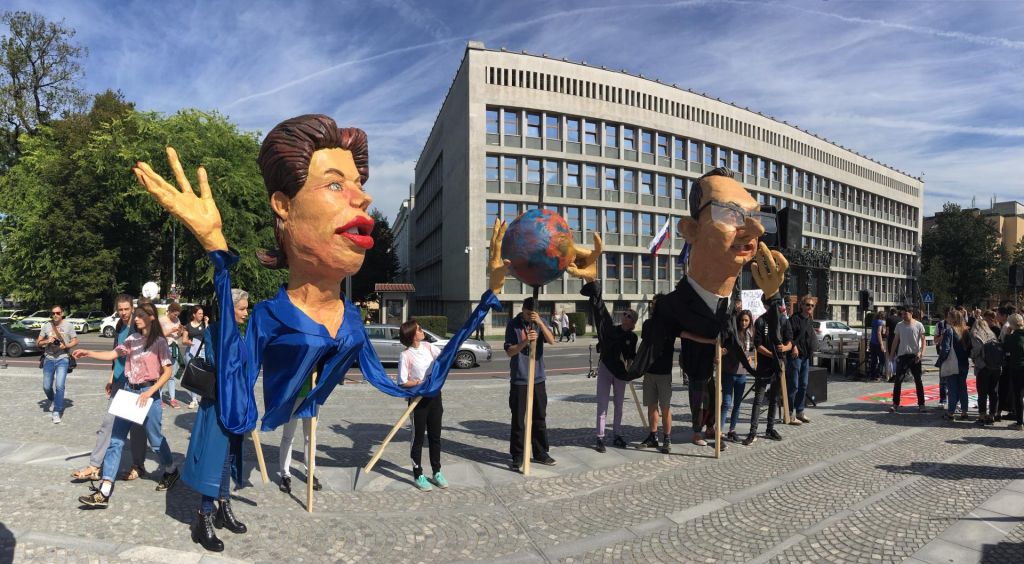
x: 933, y: 88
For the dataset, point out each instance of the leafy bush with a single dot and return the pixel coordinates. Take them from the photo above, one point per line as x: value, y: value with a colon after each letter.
x: 437, y: 324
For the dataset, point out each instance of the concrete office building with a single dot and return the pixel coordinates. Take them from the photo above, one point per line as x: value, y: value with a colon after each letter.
x: 616, y: 154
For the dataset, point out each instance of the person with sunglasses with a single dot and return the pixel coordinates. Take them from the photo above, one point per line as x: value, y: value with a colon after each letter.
x: 798, y: 366
x: 57, y: 338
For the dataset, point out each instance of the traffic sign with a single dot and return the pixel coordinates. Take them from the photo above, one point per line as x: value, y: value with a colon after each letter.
x: 927, y: 297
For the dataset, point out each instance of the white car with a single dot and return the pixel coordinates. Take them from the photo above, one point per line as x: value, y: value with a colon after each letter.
x: 86, y: 321
x: 829, y: 331
x: 37, y: 319
x: 108, y: 325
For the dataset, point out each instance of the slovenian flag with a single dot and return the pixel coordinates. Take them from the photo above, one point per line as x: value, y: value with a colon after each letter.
x: 659, y: 239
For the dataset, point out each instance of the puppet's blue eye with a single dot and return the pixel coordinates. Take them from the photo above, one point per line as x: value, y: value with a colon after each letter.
x: 336, y: 186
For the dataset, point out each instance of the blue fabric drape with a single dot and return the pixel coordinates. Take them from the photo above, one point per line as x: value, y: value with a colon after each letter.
x: 236, y: 376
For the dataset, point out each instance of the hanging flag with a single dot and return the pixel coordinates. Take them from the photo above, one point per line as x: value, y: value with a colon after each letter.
x: 659, y: 239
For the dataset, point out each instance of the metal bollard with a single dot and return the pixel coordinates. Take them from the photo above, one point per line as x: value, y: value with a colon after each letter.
x: 3, y: 355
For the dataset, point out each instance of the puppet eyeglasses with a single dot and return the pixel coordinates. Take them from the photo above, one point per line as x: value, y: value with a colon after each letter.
x: 731, y: 215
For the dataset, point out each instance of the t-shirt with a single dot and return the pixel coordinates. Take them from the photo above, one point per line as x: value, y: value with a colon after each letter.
x: 876, y: 329
x: 65, y: 333
x: 195, y: 334
x: 910, y: 337
x: 167, y: 325
x: 415, y: 362
x: 519, y: 365
x: 143, y: 365
x: 119, y: 361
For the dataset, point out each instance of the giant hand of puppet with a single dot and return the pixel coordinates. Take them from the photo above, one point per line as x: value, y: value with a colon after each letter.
x: 497, y: 269
x: 769, y: 270
x: 199, y: 214
x: 584, y: 265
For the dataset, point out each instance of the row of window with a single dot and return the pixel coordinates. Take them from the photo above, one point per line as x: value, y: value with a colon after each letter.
x: 598, y: 91
x: 613, y: 136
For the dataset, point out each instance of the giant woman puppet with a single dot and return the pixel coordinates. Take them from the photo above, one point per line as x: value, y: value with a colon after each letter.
x: 314, y: 174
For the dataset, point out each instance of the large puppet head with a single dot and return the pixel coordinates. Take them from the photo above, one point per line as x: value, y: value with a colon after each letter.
x: 723, y: 228
x: 314, y: 173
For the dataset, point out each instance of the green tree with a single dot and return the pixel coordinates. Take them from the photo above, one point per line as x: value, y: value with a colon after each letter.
x: 962, y: 258
x: 381, y: 263
x: 1018, y: 253
x: 39, y: 73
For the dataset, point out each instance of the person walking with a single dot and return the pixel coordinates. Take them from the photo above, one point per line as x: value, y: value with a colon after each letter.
x: 658, y: 386
x: 191, y: 340
x: 173, y: 330
x: 907, y: 348
x: 414, y: 367
x: 1013, y: 344
x: 521, y: 333
x: 798, y: 366
x: 1003, y: 314
x: 953, y: 362
x: 734, y: 374
x: 147, y: 369
x: 57, y: 338
x: 987, y: 366
x: 563, y: 323
x: 891, y: 321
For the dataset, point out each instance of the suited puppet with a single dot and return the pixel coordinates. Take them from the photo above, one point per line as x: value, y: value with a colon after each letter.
x: 723, y: 230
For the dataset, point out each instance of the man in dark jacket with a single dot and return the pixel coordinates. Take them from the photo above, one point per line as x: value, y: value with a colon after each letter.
x: 658, y: 386
x: 617, y: 344
x: 805, y: 343
x: 770, y: 348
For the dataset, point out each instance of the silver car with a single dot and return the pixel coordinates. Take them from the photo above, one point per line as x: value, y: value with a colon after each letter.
x: 828, y: 331
x: 384, y: 339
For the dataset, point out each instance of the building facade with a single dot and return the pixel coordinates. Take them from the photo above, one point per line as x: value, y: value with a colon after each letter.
x: 617, y: 154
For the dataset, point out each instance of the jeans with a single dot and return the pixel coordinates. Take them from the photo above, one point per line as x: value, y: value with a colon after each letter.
x: 797, y: 372
x: 55, y: 375
x: 944, y: 393
x: 732, y: 387
x: 957, y: 387
x: 137, y: 443
x: 608, y: 383
x: 172, y: 382
x: 225, y: 485
x: 153, y: 426
x: 907, y: 363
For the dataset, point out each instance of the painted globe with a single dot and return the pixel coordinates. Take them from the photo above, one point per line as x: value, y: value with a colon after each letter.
x: 539, y: 245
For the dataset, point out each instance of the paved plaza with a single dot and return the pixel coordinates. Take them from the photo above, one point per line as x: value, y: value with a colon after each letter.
x: 855, y: 485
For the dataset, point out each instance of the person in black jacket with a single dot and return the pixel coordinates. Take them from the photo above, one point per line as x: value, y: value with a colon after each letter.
x: 658, y: 386
x: 770, y: 349
x: 805, y: 343
x: 617, y: 345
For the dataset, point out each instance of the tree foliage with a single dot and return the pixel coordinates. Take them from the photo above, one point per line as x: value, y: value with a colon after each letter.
x: 78, y: 228
x: 39, y: 73
x: 963, y: 260
x: 381, y: 263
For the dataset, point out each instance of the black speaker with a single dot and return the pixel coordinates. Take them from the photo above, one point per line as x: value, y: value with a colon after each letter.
x: 771, y: 233
x: 817, y: 384
x: 1017, y: 275
x: 791, y: 228
x: 866, y: 300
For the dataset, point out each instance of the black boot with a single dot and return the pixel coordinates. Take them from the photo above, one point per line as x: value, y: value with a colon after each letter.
x: 224, y: 517
x: 203, y: 533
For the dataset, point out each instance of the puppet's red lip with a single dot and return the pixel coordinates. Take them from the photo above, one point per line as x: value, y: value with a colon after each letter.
x: 363, y: 241
x: 359, y: 225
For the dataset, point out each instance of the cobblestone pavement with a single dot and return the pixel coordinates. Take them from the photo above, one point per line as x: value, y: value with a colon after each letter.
x: 855, y: 485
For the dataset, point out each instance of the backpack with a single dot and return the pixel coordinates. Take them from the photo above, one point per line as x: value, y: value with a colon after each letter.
x: 992, y: 354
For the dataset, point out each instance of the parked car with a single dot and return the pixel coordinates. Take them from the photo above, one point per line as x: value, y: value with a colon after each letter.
x: 384, y: 339
x: 19, y: 341
x: 37, y: 319
x: 828, y: 331
x: 83, y: 322
x: 108, y: 324
x: 9, y: 315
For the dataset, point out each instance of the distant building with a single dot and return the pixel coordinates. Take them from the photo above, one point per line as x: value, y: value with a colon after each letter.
x: 616, y: 154
x: 1006, y: 217
x: 401, y: 231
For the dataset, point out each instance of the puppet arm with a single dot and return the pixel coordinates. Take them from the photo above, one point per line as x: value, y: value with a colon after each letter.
x: 769, y: 270
x: 235, y: 374
x: 584, y: 262
x: 602, y: 320
x: 696, y: 338
x: 199, y: 214
x: 497, y: 269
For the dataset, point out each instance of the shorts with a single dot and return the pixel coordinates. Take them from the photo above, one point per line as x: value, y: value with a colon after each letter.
x: 658, y: 390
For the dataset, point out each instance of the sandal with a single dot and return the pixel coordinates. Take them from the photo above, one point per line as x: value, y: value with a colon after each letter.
x: 87, y: 473
x: 133, y: 474
x: 699, y: 441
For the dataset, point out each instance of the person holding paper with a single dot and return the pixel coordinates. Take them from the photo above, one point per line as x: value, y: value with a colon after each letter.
x: 147, y: 368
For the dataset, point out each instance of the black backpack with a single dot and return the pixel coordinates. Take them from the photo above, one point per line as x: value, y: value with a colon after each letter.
x: 992, y: 354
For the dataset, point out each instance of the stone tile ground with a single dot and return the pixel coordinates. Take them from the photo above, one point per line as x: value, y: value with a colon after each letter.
x: 855, y: 485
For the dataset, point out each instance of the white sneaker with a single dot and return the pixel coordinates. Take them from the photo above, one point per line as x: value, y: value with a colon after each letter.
x: 56, y: 417
x: 193, y: 404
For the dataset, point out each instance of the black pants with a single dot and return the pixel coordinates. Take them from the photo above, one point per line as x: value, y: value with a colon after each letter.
x: 426, y: 418
x: 1005, y: 391
x: 770, y: 382
x: 539, y: 438
x: 876, y: 361
x: 987, y: 383
x: 1017, y: 390
x: 907, y: 363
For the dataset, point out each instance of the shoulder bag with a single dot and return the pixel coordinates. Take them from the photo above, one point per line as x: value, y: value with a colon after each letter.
x: 200, y: 376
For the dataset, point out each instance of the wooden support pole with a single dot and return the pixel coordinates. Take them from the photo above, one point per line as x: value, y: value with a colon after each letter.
x: 718, y: 397
x: 258, y: 447
x: 531, y: 373
x: 391, y: 435
x: 311, y: 450
x: 639, y: 408
x: 782, y: 386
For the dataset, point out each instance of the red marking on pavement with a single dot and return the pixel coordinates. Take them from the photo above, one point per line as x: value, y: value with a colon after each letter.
x: 908, y: 394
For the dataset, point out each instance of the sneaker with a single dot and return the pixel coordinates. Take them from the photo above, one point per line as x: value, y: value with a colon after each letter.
x: 95, y: 500
x: 168, y: 481
x: 751, y: 439
x: 650, y: 442
x: 286, y: 484
x: 802, y: 418
x: 794, y: 420
x: 56, y: 417
x: 732, y: 437
x: 893, y: 408
x: 964, y: 417
x: 440, y: 480
x: 666, y: 446
x: 546, y: 461
x: 193, y: 404
x: 175, y: 404
x: 599, y: 447
x: 619, y: 442
x: 516, y: 465
x: 773, y: 435
x: 942, y: 405
x: 423, y: 483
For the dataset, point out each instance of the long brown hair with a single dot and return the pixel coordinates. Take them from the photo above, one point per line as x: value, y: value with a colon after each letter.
x: 958, y: 324
x: 284, y: 162
x: 155, y: 330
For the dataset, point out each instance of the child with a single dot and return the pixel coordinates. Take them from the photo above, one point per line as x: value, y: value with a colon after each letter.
x: 413, y: 367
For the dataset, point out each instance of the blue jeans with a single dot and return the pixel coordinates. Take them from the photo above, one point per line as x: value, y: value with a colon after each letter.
x: 119, y: 433
x: 170, y: 383
x: 956, y: 385
x: 55, y: 375
x: 206, y: 503
x: 797, y: 372
x: 732, y: 387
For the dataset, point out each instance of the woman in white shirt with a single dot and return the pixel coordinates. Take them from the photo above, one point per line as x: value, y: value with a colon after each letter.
x: 413, y: 368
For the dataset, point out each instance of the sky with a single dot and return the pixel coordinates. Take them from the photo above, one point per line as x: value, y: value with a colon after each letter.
x: 934, y: 89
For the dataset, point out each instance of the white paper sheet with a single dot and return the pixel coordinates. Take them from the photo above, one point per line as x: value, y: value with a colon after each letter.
x: 126, y: 406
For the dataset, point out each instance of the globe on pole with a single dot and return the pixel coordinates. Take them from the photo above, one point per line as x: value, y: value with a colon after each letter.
x: 539, y: 245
